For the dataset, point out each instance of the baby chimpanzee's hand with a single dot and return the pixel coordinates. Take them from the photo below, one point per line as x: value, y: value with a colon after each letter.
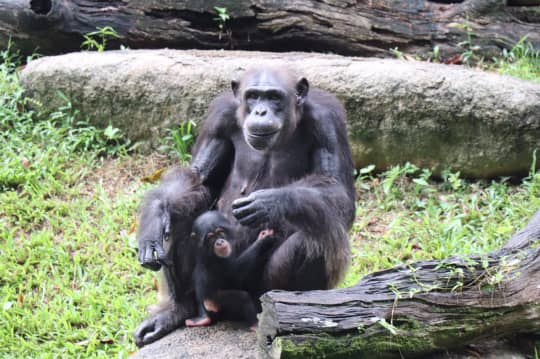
x: 268, y: 232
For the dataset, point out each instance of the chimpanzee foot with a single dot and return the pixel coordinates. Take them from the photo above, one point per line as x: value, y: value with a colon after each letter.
x: 157, y: 326
x: 211, y: 306
x: 198, y: 322
x: 265, y: 233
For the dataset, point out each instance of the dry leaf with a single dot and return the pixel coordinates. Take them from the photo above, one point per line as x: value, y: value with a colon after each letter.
x: 154, y: 177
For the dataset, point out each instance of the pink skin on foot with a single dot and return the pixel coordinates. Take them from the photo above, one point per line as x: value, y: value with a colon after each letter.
x: 198, y: 322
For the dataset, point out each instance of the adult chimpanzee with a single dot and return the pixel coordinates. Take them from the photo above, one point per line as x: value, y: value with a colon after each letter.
x: 223, y: 273
x: 271, y: 154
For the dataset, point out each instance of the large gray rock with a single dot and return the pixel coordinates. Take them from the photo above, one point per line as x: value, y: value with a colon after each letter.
x: 436, y: 116
x: 223, y: 341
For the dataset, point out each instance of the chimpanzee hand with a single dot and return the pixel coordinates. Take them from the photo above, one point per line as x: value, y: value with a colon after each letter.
x: 154, y: 229
x: 266, y: 233
x: 262, y: 206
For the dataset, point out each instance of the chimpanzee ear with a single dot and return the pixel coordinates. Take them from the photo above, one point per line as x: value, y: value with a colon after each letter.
x: 302, y: 89
x: 234, y: 86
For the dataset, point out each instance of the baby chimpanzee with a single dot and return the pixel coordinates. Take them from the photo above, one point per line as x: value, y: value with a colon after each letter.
x: 222, y: 276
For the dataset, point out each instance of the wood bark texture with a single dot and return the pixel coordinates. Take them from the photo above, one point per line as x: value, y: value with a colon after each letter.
x: 350, y: 27
x: 413, y: 310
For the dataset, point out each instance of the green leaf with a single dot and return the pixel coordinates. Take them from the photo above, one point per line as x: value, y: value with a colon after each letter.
x: 367, y: 169
x: 392, y: 329
x: 420, y: 181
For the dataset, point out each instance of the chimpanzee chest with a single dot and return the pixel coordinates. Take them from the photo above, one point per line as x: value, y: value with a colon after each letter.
x: 253, y: 170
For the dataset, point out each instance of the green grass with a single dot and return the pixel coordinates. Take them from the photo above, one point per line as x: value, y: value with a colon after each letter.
x: 403, y: 216
x: 71, y: 285
x: 70, y: 282
x: 522, y: 61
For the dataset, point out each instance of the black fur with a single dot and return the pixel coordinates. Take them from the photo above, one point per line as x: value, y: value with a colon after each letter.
x: 272, y: 154
x: 221, y: 279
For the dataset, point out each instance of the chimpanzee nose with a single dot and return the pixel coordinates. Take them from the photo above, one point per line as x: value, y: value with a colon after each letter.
x: 220, y: 242
x: 260, y: 111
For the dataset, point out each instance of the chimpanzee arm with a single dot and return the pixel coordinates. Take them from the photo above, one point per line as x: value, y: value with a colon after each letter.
x: 213, y: 152
x: 253, y: 259
x: 185, y: 193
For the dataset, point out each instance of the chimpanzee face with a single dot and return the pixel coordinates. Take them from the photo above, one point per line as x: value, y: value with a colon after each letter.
x: 217, y: 242
x: 270, y: 106
x: 214, y: 234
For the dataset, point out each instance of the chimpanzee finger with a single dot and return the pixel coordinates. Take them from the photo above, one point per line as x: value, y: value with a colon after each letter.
x: 141, y: 253
x: 148, y: 260
x: 241, y: 202
x: 166, y: 225
x: 242, y: 212
x: 143, y: 250
x: 148, y: 254
x: 252, y: 220
x: 152, y: 336
x: 146, y: 327
x: 162, y: 256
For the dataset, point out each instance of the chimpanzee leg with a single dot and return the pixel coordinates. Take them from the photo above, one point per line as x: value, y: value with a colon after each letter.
x: 296, y: 265
x: 236, y: 305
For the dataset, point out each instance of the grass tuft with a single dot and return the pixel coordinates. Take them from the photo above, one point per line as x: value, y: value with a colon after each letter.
x: 522, y: 61
x: 404, y: 216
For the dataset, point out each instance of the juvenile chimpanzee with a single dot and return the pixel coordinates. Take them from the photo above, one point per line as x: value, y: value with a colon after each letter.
x: 222, y: 272
x: 272, y: 154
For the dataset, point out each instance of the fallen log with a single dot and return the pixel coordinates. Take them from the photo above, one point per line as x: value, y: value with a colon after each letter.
x: 362, y: 28
x: 412, y: 310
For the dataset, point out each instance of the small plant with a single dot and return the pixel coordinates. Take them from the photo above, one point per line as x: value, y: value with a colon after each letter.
x: 522, y: 61
x: 221, y: 19
x: 397, y: 53
x: 183, y: 138
x: 452, y: 182
x: 81, y: 136
x: 97, y: 40
x: 469, y: 54
x: 435, y: 54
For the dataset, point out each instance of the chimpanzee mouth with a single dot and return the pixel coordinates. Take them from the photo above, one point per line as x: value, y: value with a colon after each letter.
x: 222, y: 248
x: 261, y: 141
x: 263, y: 134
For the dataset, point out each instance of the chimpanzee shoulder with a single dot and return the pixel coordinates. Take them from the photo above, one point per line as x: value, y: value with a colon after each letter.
x: 324, y: 109
x: 222, y: 115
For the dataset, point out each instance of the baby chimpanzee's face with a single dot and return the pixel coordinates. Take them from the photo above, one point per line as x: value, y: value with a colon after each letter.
x: 214, y: 234
x: 217, y: 242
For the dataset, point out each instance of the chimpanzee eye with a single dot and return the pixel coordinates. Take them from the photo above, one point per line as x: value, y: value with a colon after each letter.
x: 272, y: 96
x: 252, y: 96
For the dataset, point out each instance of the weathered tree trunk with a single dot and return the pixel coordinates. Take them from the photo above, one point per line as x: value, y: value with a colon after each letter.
x: 350, y: 27
x: 412, y: 310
